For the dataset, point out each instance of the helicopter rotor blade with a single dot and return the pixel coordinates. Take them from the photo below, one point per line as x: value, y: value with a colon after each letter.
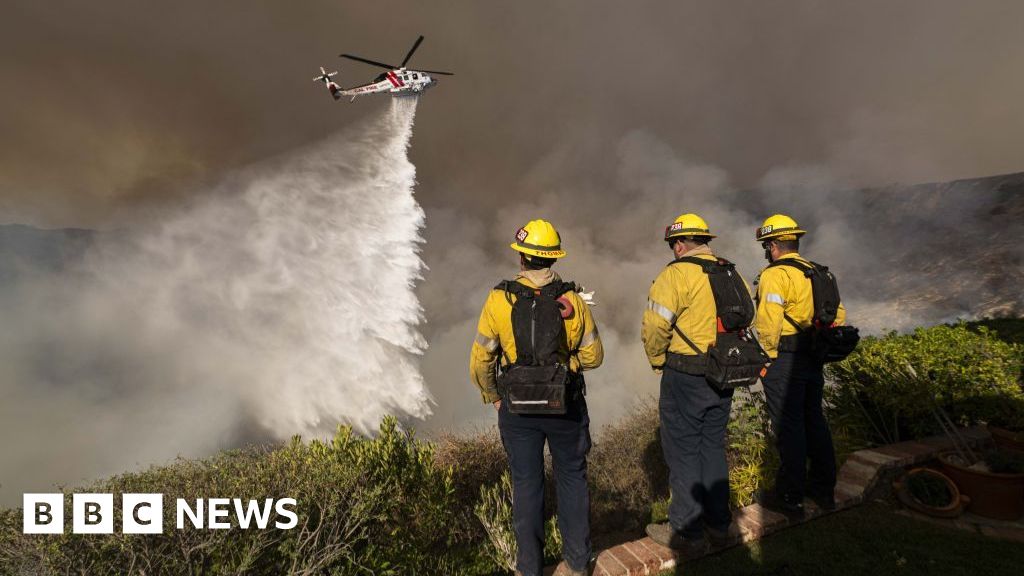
x: 364, y: 60
x: 411, y: 50
x: 437, y: 72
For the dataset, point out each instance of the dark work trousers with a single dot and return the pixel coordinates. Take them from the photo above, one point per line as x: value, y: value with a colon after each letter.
x: 568, y: 438
x: 793, y: 390
x: 693, y: 419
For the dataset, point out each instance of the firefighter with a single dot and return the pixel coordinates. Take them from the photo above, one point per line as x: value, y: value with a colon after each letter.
x: 578, y: 347
x: 679, y: 325
x: 794, y: 381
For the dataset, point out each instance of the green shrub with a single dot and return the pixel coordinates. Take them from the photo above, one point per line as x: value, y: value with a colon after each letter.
x: 494, y: 510
x: 1009, y: 330
x: 891, y: 385
x: 752, y: 458
x: 1004, y: 462
x: 365, y: 506
x: 627, y: 471
x: 476, y: 460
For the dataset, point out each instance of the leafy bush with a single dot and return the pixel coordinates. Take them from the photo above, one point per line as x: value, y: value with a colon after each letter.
x: 494, y: 510
x: 893, y: 384
x: 630, y: 476
x: 627, y: 471
x: 370, y: 506
x: 476, y: 461
x: 1004, y: 462
x: 752, y: 458
x: 1009, y: 330
x: 388, y: 505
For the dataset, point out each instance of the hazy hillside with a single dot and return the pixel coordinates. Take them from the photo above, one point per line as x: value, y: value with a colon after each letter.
x: 938, y: 248
x: 942, y: 249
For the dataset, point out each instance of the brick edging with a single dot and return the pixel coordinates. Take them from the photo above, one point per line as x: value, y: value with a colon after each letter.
x: 858, y: 475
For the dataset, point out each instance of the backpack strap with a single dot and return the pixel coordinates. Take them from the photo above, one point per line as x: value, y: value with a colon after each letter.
x: 519, y: 290
x: 808, y: 271
x: 510, y: 287
x: 705, y: 267
x: 556, y: 289
x: 704, y: 264
x: 516, y: 288
x: 513, y: 288
x: 685, y: 339
x: 789, y: 319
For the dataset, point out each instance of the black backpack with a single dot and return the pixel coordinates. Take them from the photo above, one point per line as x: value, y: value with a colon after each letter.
x: 736, y: 359
x: 538, y: 382
x: 828, y: 343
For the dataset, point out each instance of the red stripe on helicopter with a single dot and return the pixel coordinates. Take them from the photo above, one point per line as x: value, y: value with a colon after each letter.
x: 395, y: 80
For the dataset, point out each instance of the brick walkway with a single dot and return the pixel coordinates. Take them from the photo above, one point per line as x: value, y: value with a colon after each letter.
x: 858, y: 475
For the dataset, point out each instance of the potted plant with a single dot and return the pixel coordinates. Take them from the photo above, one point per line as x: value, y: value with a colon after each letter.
x: 994, y: 483
x: 1006, y: 423
x: 930, y: 492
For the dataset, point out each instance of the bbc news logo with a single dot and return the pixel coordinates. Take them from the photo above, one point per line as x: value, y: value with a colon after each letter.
x: 144, y: 513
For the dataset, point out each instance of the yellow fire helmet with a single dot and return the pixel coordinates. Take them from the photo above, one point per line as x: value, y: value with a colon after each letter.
x: 688, y: 225
x: 538, y: 238
x: 779, y: 227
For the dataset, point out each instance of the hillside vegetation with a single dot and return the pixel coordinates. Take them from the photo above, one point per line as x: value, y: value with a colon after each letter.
x: 397, y: 504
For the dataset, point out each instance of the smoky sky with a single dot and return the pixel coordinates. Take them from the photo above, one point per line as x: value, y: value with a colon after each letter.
x: 115, y: 104
x: 609, y: 118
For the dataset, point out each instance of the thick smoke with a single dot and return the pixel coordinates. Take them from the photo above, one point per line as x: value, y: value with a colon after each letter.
x: 279, y: 302
x: 906, y: 256
x: 608, y: 118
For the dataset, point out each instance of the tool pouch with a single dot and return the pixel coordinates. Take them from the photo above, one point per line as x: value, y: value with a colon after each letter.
x: 835, y: 343
x: 535, y: 389
x: 734, y: 362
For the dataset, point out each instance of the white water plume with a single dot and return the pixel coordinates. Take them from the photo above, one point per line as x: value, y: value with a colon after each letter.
x: 281, y: 301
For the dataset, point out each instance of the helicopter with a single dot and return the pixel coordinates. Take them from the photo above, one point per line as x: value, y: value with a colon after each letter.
x: 397, y: 81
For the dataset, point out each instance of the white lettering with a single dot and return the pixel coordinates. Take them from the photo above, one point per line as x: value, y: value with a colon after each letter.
x: 281, y: 509
x: 142, y: 513
x: 217, y: 508
x: 195, y: 516
x: 92, y: 513
x: 253, y: 509
x: 42, y: 513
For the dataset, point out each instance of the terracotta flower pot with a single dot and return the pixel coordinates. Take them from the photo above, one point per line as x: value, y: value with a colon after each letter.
x: 1007, y: 439
x: 954, y: 508
x: 999, y: 496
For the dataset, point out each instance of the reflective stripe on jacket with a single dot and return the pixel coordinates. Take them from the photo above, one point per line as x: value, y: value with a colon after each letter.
x: 784, y: 289
x: 582, y: 349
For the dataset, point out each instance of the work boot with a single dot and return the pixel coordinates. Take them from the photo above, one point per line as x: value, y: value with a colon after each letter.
x: 688, y: 548
x: 792, y: 509
x: 718, y: 538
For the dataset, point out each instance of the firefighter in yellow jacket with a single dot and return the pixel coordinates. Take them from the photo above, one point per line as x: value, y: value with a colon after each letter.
x: 794, y: 381
x: 679, y: 325
x: 573, y: 342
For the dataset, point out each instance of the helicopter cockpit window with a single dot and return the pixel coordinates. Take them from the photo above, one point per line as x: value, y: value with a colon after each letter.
x: 415, y: 76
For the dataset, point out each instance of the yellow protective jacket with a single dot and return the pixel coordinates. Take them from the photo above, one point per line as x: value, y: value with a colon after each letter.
x: 680, y: 295
x: 785, y: 290
x: 582, y: 349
